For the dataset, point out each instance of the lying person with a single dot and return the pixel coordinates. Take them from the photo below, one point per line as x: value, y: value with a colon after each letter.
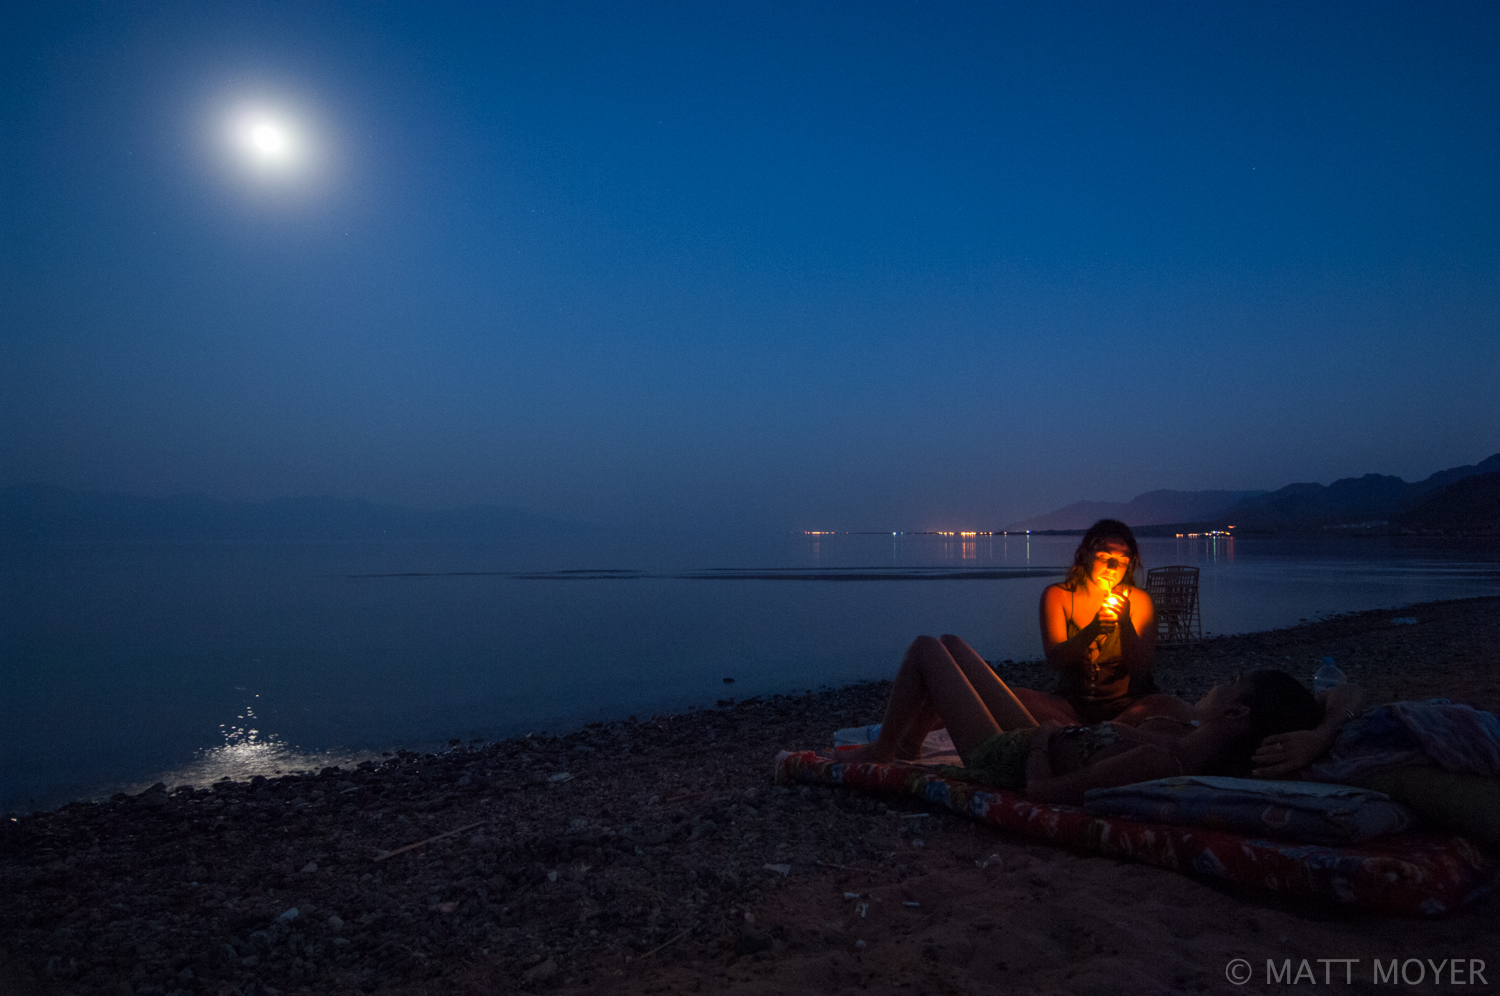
x: 944, y: 683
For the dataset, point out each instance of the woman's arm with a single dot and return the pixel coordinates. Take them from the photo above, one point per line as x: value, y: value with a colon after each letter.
x: 1283, y: 754
x: 1138, y: 631
x: 1145, y: 763
x: 1063, y: 652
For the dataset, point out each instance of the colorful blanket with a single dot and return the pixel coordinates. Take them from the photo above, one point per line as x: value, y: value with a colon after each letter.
x: 1410, y: 874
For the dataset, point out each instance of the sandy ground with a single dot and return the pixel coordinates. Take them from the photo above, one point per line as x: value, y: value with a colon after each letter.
x: 644, y: 869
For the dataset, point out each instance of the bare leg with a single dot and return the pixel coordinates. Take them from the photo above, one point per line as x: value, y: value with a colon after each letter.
x: 930, y: 679
x: 910, y: 746
x: 1047, y: 707
x: 1009, y: 711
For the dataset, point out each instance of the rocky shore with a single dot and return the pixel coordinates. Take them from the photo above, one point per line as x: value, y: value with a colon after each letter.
x: 640, y: 856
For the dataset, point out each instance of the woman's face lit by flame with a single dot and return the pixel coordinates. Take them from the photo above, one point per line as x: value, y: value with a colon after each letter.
x: 1111, y: 562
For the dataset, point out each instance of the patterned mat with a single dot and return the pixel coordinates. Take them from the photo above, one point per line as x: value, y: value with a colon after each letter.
x: 1409, y: 874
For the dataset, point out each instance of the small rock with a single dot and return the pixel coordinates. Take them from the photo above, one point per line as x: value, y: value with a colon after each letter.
x: 749, y: 944
x: 336, y: 922
x: 309, y: 868
x: 552, y: 875
x: 860, y: 945
x: 779, y: 869
x: 537, y: 973
x: 443, y: 907
x: 186, y: 975
x: 561, y: 776
x: 290, y: 914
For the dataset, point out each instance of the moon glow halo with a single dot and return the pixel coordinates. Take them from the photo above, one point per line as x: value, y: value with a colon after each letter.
x: 269, y: 140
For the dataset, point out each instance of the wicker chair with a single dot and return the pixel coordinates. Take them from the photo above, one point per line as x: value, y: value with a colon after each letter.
x: 1174, y: 591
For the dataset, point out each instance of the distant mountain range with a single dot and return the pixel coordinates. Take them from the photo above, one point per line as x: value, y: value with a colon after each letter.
x: 34, y: 512
x: 1461, y: 500
x: 1149, y: 509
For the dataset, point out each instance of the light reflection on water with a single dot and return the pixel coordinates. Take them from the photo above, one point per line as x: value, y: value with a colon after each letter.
x: 126, y: 665
x: 245, y: 753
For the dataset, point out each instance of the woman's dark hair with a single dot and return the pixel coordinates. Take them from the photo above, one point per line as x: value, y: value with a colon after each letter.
x: 1278, y: 703
x: 1099, y: 534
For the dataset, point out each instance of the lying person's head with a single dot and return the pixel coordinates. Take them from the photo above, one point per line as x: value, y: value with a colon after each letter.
x: 1252, y: 707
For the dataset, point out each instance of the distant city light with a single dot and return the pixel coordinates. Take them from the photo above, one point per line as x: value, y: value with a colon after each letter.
x: 915, y: 532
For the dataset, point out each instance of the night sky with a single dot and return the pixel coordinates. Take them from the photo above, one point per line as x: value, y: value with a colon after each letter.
x: 807, y: 265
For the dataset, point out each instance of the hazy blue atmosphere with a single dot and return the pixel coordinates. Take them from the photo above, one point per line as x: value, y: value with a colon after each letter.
x: 832, y: 266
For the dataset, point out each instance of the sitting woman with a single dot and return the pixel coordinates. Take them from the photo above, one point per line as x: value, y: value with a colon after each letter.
x: 946, y: 683
x: 1099, y: 635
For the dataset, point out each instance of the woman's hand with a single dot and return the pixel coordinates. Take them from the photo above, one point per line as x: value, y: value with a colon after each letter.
x: 1282, y: 754
x: 1112, y: 610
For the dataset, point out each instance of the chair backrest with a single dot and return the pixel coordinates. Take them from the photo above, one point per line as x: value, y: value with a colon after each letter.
x: 1172, y: 583
x: 1174, y: 592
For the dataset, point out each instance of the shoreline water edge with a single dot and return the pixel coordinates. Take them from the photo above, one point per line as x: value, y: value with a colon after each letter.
x: 642, y: 855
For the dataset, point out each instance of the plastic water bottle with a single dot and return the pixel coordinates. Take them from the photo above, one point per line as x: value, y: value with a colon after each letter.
x: 856, y: 735
x: 1328, y: 676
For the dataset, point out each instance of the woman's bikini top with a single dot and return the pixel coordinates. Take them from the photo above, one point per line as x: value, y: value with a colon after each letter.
x: 1090, y: 740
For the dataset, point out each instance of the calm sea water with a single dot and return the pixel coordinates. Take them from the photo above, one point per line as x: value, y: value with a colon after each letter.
x: 122, y: 665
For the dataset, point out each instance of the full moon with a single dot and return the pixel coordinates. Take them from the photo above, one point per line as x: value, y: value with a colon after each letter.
x: 276, y: 147
x: 267, y: 140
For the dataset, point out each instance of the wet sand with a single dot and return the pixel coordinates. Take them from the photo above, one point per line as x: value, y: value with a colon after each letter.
x: 632, y: 857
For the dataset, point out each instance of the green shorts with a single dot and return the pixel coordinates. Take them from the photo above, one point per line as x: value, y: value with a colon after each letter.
x: 1000, y: 761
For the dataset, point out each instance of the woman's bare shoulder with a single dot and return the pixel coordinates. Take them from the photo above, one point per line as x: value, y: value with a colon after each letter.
x: 1054, y: 594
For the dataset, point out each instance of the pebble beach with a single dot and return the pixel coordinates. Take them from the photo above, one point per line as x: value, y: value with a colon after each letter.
x: 655, y: 854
